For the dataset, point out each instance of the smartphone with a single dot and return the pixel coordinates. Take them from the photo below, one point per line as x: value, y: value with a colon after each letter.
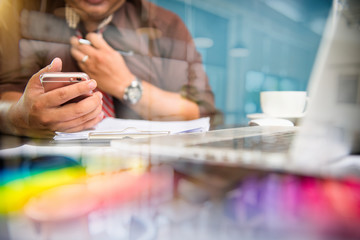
x: 54, y: 80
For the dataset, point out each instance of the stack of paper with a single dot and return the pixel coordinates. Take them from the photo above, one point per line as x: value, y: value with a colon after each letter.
x: 114, y: 128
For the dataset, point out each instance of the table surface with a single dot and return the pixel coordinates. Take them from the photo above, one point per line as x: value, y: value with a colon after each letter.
x: 141, y: 195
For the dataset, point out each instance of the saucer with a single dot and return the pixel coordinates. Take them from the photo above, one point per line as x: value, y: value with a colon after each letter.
x: 263, y: 115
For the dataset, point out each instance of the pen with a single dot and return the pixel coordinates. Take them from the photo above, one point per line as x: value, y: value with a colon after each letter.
x: 87, y: 42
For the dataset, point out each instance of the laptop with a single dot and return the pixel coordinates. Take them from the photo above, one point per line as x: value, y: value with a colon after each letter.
x: 331, y: 128
x: 329, y: 131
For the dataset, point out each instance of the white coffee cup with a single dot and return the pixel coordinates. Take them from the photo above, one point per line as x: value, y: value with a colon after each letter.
x: 283, y: 104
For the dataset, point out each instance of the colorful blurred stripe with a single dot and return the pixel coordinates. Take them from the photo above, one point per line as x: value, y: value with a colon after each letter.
x: 18, y: 186
x: 53, y: 189
x: 58, y: 188
x: 325, y: 207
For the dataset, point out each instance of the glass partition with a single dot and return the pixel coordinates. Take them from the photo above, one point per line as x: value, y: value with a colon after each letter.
x: 245, y: 47
x: 252, y: 46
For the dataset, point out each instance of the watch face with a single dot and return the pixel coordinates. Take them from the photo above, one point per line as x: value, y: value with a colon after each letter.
x: 134, y: 94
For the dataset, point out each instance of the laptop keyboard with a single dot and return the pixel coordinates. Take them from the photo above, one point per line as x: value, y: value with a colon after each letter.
x: 273, y: 142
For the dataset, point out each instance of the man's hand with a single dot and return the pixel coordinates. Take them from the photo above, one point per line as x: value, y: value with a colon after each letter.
x: 103, y: 63
x: 39, y: 114
x: 108, y: 67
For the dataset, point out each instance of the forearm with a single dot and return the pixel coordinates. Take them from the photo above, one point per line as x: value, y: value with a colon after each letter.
x: 7, y: 100
x: 157, y: 104
x: 4, y: 120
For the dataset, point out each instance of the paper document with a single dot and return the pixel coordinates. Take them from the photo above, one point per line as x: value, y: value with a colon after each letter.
x: 114, y: 128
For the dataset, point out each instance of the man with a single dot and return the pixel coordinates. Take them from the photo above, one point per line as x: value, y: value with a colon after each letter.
x: 142, y: 57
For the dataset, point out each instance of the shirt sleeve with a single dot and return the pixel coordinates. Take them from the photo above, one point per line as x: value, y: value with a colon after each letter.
x: 182, y: 67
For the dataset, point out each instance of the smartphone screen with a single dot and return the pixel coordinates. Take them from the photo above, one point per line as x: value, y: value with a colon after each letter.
x: 54, y: 80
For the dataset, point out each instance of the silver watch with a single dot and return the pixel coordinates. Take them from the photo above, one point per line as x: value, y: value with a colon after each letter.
x: 133, y: 92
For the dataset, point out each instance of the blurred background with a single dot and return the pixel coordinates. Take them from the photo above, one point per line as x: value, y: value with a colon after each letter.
x: 251, y: 46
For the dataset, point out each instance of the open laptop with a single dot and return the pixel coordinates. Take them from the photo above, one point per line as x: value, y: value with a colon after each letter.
x: 330, y: 130
x: 332, y: 127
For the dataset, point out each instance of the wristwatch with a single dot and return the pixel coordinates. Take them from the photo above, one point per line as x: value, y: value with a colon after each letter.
x: 133, y: 92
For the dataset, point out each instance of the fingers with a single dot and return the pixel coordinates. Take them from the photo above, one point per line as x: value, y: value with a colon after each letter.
x: 83, y: 122
x: 76, y: 116
x: 98, y: 41
x: 79, y: 125
x: 80, y: 109
x: 79, y: 50
x: 79, y: 56
x: 62, y: 95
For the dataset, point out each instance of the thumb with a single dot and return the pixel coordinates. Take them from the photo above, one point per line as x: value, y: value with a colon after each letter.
x: 54, y: 66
